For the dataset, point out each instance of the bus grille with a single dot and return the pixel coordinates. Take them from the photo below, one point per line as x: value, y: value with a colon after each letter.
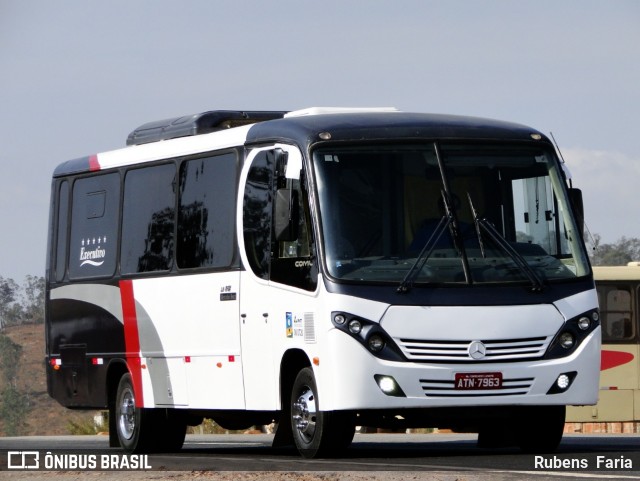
x: 510, y: 387
x: 495, y: 350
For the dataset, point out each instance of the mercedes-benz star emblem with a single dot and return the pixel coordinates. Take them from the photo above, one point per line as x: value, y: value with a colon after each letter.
x: 477, y: 350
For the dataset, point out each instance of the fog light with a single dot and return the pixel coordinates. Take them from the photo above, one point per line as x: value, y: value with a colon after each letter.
x: 355, y: 326
x: 584, y: 323
x: 566, y: 340
x: 376, y: 343
x: 563, y: 381
x: 389, y: 386
x: 595, y: 316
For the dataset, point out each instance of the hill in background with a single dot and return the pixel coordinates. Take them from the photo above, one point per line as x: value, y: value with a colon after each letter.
x: 43, y: 415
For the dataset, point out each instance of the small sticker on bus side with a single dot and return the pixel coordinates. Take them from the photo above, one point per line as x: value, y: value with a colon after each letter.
x: 289, y: 324
x: 295, y: 325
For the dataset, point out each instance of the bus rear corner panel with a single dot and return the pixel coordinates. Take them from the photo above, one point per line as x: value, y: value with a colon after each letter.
x: 74, y: 381
x: 76, y: 331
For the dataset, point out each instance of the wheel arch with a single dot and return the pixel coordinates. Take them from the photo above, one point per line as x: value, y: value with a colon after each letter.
x: 117, y: 368
x: 292, y: 362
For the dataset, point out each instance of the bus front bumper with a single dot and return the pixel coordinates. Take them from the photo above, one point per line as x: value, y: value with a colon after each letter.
x: 353, y: 379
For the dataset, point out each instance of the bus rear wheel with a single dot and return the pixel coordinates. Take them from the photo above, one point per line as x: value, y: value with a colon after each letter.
x: 143, y: 430
x: 316, y: 432
x: 133, y: 424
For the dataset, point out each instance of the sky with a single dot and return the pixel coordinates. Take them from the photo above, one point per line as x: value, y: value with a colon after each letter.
x: 77, y: 76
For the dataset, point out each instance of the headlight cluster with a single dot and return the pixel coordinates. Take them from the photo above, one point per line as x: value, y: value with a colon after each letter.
x: 573, y: 333
x: 369, y: 334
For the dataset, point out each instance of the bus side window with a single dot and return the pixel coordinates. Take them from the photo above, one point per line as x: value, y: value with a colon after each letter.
x: 287, y: 262
x: 206, y: 212
x: 301, y: 246
x: 61, y: 233
x: 148, y: 218
x: 293, y: 263
x: 94, y: 226
x: 257, y: 213
x: 617, y: 312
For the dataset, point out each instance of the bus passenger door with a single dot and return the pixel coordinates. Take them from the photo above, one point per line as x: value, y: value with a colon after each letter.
x: 280, y: 276
x: 260, y: 381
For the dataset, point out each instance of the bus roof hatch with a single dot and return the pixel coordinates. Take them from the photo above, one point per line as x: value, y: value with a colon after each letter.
x: 202, y: 123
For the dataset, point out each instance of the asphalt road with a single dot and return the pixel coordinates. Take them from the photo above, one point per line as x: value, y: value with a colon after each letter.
x: 591, y: 456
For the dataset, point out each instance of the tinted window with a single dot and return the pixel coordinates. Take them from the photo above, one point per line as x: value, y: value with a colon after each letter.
x: 293, y: 264
x: 616, y: 309
x: 148, y: 219
x: 61, y: 231
x: 94, y: 227
x: 206, y: 212
x: 256, y: 214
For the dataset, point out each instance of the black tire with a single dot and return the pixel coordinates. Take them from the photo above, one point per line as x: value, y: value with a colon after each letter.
x: 317, y: 433
x: 542, y: 429
x: 498, y: 435
x: 343, y: 428
x: 134, y: 426
x: 171, y: 429
x: 143, y: 430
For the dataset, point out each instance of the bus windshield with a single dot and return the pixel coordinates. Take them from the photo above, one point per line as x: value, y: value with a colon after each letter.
x: 454, y: 213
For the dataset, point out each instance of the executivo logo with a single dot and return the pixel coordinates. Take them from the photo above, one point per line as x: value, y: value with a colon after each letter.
x: 93, y: 255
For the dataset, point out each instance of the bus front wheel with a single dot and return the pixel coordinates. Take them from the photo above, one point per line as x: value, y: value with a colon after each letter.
x: 542, y: 428
x: 317, y: 432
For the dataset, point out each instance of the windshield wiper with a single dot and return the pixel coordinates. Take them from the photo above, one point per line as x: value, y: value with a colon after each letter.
x: 476, y: 223
x: 425, y: 253
x: 483, y: 224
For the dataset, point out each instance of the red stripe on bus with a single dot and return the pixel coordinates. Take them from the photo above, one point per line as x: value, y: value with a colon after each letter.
x: 611, y: 359
x: 132, y: 339
x: 93, y: 163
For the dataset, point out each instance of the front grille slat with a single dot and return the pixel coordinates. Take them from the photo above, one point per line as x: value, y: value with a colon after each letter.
x: 432, y: 350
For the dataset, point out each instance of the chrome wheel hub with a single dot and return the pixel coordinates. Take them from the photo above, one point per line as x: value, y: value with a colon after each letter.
x: 304, y: 414
x: 127, y: 414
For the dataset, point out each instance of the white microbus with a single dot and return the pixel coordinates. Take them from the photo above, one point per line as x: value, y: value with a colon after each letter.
x: 322, y: 269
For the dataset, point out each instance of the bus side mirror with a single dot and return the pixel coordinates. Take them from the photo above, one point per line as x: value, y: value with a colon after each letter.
x: 575, y: 196
x: 286, y: 215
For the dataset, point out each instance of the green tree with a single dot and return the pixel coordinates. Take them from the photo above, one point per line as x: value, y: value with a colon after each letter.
x: 14, y: 405
x: 33, y: 303
x: 9, y: 308
x: 22, y: 304
x: 619, y: 253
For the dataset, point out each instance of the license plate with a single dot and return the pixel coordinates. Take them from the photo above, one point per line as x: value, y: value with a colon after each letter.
x: 478, y: 380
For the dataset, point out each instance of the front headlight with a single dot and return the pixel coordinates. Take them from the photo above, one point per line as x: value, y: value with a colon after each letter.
x: 572, y: 333
x: 584, y: 323
x: 368, y: 333
x: 376, y: 343
x: 355, y: 326
x: 566, y: 340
